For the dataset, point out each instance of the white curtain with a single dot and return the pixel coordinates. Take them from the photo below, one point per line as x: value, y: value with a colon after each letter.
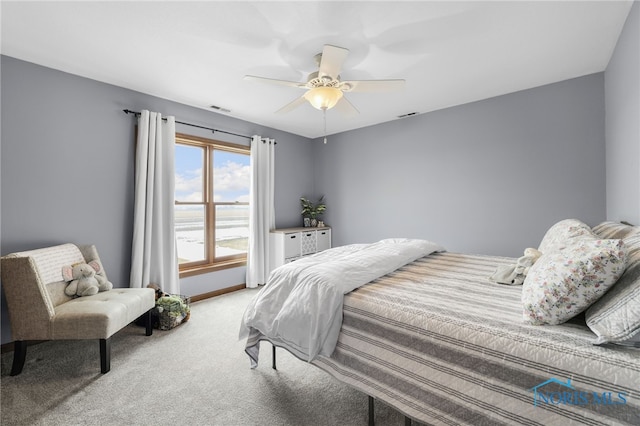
x: 262, y: 210
x: 154, y: 255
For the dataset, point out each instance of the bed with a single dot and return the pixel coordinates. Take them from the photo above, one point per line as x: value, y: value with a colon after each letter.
x: 443, y: 344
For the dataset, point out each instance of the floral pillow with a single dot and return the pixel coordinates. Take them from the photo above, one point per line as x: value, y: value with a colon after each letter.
x: 563, y: 283
x: 562, y: 233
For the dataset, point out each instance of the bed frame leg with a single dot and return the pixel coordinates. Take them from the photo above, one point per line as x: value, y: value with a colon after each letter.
x: 407, y: 419
x: 371, y: 415
x: 273, y: 358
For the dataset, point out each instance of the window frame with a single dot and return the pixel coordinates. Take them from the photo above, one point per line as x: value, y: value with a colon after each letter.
x: 210, y: 263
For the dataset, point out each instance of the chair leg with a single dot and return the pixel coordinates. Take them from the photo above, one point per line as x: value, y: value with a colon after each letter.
x: 105, y: 355
x: 273, y: 358
x: 372, y: 421
x: 149, y: 322
x: 19, y: 356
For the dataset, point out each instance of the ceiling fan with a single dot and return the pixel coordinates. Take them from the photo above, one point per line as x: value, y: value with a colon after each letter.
x: 325, y: 89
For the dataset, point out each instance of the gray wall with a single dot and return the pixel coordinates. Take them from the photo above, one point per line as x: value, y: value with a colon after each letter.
x: 486, y: 177
x: 622, y: 86
x: 67, y: 167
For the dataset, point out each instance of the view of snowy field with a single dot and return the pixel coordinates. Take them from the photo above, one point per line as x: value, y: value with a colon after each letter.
x: 232, y: 232
x: 228, y: 195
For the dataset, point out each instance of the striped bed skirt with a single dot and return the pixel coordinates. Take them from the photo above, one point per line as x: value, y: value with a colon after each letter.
x: 441, y: 343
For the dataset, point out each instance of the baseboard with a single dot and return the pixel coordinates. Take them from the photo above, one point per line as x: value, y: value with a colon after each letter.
x: 8, y: 347
x: 215, y: 293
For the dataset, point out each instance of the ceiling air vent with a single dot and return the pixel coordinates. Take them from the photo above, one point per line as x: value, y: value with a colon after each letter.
x: 408, y: 115
x: 217, y: 108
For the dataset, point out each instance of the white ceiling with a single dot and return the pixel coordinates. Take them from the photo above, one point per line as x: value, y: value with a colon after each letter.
x: 197, y: 53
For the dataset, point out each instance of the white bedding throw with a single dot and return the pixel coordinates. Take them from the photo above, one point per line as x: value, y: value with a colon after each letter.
x: 300, y: 308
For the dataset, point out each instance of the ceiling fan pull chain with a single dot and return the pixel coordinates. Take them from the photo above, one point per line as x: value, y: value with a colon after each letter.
x: 324, y: 115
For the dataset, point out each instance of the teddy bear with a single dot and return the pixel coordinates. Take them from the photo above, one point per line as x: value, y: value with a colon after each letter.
x: 530, y: 257
x: 158, y: 290
x: 103, y: 284
x: 84, y: 280
x: 516, y: 274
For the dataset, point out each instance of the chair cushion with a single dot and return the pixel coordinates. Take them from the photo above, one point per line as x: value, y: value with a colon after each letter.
x: 49, y: 261
x: 48, y: 264
x: 101, y: 315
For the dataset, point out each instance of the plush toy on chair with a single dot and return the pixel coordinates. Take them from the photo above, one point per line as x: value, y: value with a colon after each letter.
x: 103, y: 284
x: 84, y: 281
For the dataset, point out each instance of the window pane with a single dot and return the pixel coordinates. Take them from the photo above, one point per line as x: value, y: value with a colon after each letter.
x: 232, y: 230
x: 189, y: 182
x: 231, y: 176
x: 190, y: 233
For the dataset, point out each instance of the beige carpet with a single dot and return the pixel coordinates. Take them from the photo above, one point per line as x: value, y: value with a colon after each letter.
x: 195, y: 374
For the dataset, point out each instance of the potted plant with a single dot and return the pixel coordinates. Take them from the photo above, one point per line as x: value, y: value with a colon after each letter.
x: 312, y: 211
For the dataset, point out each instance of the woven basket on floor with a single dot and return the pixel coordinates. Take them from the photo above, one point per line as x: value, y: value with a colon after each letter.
x: 171, y: 311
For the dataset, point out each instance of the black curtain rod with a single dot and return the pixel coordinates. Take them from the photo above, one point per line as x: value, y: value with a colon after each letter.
x: 136, y: 113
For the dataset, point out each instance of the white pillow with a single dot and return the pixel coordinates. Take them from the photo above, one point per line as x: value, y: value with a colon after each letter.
x: 563, y: 283
x: 562, y: 233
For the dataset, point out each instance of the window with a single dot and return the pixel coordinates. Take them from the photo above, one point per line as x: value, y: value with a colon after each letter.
x: 212, y: 204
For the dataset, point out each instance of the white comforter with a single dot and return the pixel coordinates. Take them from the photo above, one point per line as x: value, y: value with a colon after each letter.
x: 300, y: 308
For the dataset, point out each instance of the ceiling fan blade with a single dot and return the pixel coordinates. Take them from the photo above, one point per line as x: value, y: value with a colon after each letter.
x: 346, y: 108
x: 372, y: 85
x: 292, y: 105
x: 274, y: 81
x: 331, y: 61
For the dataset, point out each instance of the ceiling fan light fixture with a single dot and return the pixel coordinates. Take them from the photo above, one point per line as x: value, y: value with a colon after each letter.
x: 323, y: 98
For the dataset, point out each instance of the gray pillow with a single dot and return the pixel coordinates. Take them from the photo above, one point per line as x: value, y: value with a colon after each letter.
x: 615, y: 317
